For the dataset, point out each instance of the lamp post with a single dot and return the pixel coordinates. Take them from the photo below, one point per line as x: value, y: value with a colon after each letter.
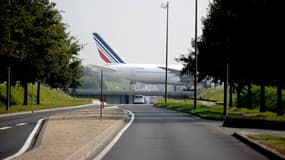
x: 8, y: 85
x: 166, y: 50
x: 8, y: 90
x: 196, y: 58
x: 101, y: 94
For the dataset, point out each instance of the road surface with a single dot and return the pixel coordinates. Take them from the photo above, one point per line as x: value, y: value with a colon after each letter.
x: 160, y: 134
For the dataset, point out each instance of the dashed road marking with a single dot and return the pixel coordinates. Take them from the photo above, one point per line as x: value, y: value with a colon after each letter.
x: 29, y: 140
x: 4, y: 128
x: 9, y: 127
x: 21, y: 124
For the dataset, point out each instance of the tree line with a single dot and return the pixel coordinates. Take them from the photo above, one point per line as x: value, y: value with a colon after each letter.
x: 242, y: 44
x: 35, y: 47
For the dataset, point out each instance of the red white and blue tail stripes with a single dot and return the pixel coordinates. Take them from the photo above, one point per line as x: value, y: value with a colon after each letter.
x: 106, y: 52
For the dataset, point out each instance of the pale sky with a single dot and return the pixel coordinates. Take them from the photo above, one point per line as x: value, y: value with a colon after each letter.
x: 135, y: 29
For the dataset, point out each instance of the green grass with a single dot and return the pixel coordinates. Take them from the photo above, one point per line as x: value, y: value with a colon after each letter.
x: 216, y: 111
x: 274, y: 142
x: 50, y: 98
x: 213, y: 94
x: 188, y: 106
x: 270, y: 96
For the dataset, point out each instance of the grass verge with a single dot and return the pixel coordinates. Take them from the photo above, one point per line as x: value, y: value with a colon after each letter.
x: 216, y: 111
x: 274, y: 142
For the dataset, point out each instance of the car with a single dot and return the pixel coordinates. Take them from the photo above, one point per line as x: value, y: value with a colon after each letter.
x: 139, y: 99
x: 152, y: 99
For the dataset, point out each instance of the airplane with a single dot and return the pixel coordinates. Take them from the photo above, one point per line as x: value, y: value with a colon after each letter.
x: 145, y: 73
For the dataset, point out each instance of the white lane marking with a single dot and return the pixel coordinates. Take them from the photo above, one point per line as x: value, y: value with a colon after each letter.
x: 28, y: 141
x: 115, y: 139
x: 4, y: 128
x: 21, y: 124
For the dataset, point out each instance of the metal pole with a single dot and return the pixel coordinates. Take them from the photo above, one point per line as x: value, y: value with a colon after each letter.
x: 101, y: 95
x: 38, y: 92
x: 226, y: 87
x: 8, y: 91
x: 32, y: 97
x: 8, y: 86
x: 196, y: 58
x: 73, y: 94
x: 103, y: 98
x: 166, y: 56
x: 32, y: 94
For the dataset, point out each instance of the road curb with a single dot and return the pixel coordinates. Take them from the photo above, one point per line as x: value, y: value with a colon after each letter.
x: 37, y: 140
x: 89, y: 151
x: 271, y: 154
x: 253, y: 123
x: 109, y: 144
x: 115, y: 120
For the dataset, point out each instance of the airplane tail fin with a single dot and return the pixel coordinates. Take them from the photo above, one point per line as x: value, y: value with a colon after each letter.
x: 106, y: 52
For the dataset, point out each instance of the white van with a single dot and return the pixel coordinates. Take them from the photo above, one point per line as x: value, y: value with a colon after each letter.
x: 139, y: 99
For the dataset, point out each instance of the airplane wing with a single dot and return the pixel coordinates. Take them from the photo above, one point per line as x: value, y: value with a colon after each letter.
x: 104, y: 68
x: 172, y: 70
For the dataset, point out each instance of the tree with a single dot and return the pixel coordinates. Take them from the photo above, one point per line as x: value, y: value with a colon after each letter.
x: 36, y: 46
x: 244, y: 34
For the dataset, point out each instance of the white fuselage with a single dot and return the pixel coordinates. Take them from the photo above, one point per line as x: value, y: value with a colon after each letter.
x: 146, y: 73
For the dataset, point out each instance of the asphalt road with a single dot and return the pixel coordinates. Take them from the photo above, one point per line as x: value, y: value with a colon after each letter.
x: 15, y: 129
x: 160, y: 134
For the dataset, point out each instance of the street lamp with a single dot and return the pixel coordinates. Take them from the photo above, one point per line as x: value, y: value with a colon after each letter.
x: 8, y: 85
x: 101, y: 95
x: 166, y: 49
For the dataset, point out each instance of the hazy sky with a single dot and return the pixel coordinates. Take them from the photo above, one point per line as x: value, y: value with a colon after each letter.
x: 135, y: 29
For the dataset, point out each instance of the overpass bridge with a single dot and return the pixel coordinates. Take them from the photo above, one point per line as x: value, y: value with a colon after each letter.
x: 127, y: 96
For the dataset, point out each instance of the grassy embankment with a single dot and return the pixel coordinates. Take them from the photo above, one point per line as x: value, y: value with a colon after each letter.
x: 216, y: 111
x: 49, y: 98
